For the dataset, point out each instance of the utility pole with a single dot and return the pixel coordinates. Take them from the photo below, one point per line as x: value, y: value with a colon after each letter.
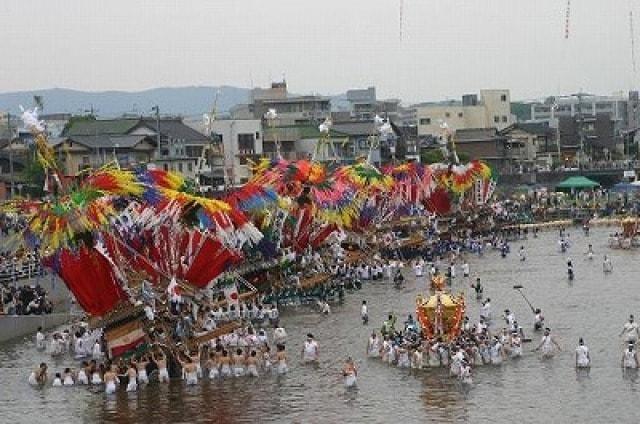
x: 580, y: 122
x: 156, y: 109
x: 11, y: 176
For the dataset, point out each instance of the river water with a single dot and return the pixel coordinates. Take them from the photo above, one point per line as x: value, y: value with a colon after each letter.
x: 593, y: 306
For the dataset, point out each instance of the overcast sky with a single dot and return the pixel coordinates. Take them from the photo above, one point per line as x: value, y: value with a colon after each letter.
x: 448, y: 47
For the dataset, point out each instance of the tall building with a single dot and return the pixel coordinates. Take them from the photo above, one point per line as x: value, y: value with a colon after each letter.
x: 491, y: 110
x: 364, y: 105
x: 291, y: 110
x: 241, y: 141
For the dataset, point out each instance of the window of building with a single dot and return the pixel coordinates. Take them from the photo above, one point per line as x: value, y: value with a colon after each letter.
x: 246, y: 142
x: 447, y: 115
x: 505, y: 119
x: 503, y: 98
x: 193, y: 151
x: 244, y: 180
x: 166, y: 167
x: 86, y: 161
x: 425, y: 121
x: 180, y: 166
x: 243, y: 160
x: 496, y: 119
x: 460, y: 114
x: 257, y: 135
x: 190, y: 167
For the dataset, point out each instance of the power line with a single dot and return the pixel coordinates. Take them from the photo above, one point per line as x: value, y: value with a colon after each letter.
x: 566, y: 21
x: 401, y: 17
x: 633, y: 42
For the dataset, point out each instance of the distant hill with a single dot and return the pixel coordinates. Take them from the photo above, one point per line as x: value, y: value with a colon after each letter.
x: 184, y: 101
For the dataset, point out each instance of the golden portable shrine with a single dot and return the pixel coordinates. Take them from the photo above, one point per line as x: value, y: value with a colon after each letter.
x: 441, y: 314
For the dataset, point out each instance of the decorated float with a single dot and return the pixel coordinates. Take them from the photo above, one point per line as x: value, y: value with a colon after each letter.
x: 441, y: 314
x: 122, y: 239
x: 628, y: 236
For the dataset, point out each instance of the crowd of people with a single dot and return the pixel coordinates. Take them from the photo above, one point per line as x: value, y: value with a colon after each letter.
x: 243, y: 352
x: 16, y: 267
x: 24, y: 300
x: 253, y: 350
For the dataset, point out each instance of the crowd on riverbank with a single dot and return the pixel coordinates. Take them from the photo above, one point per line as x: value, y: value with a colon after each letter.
x: 24, y: 300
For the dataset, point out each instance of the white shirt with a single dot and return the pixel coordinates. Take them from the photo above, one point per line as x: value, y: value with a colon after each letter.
x: 631, y: 331
x: 310, y: 350
x: 363, y: 310
x: 149, y: 313
x: 496, y: 350
x: 485, y: 310
x: 465, y: 269
x: 510, y: 318
x: 418, y: 270
x: 582, y: 355
x: 279, y: 335
x: 39, y: 340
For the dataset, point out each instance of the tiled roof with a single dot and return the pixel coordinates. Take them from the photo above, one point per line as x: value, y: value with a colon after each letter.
x: 176, y: 129
x: 100, y: 126
x: 111, y: 141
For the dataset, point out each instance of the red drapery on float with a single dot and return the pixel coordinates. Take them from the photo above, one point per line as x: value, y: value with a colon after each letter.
x: 91, y: 279
x: 210, y: 259
x: 439, y: 202
x: 188, y: 255
x: 321, y: 235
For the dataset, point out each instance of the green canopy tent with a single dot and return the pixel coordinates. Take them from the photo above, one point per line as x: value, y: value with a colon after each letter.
x: 577, y: 183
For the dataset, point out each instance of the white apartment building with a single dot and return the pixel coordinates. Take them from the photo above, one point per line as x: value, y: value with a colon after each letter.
x: 242, y: 141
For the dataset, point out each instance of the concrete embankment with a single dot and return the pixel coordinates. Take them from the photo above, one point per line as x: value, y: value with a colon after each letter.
x: 15, y: 326
x: 12, y: 326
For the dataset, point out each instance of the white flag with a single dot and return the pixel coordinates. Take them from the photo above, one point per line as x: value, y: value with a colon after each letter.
x: 231, y: 294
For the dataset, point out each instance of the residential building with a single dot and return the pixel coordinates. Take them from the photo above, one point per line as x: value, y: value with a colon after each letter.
x: 407, y: 116
x: 293, y: 142
x: 364, y: 105
x: 242, y: 142
x: 291, y: 110
x: 623, y: 111
x: 55, y: 123
x: 534, y: 144
x: 362, y: 102
x: 163, y: 142
x: 594, y: 136
x: 582, y: 104
x: 486, y: 144
x: 295, y: 110
x: 345, y: 142
x: 76, y: 153
x: 491, y: 110
x: 609, y: 124
x: 362, y: 139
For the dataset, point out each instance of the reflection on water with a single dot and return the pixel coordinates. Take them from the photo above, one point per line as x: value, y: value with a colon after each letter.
x: 593, y: 306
